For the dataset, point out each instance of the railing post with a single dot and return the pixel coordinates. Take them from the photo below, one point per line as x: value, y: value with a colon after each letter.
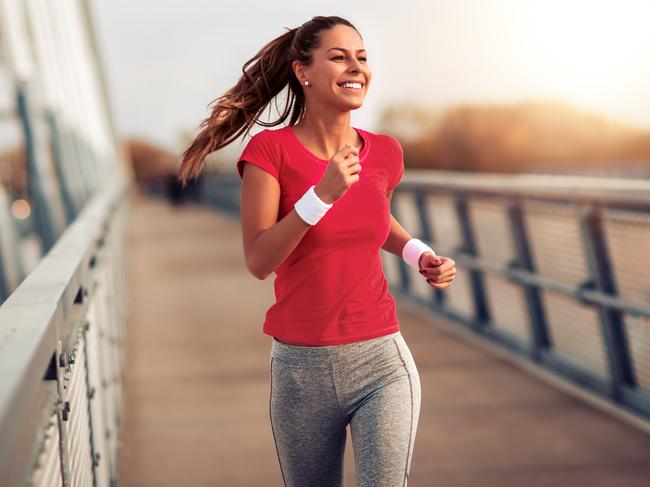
x: 11, y: 266
x: 481, y: 313
x: 427, y: 232
x: 611, y: 320
x: 65, y: 189
x: 63, y: 410
x: 537, y: 319
x: 43, y: 215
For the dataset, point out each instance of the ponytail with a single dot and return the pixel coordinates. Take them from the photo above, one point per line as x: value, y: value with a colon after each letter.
x: 264, y: 76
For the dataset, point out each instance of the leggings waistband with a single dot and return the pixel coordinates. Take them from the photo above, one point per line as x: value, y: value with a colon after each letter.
x: 327, y: 353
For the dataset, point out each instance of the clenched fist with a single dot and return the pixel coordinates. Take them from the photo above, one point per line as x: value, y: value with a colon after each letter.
x: 439, y: 271
x: 341, y: 172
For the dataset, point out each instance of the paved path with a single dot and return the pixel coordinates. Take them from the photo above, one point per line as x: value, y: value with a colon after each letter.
x: 197, y: 383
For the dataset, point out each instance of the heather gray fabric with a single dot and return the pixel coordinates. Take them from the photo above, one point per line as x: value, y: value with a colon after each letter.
x: 316, y: 391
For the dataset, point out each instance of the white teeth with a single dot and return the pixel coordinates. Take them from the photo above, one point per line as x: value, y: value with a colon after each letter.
x: 355, y: 86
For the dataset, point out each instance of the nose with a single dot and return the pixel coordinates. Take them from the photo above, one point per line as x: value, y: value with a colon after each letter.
x: 356, y: 66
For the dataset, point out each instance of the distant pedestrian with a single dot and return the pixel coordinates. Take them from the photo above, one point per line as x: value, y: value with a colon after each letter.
x: 174, y: 189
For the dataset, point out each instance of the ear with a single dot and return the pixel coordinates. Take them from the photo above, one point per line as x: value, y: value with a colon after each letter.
x: 298, y: 70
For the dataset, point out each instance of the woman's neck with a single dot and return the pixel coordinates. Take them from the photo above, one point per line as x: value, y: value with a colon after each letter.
x: 322, y: 138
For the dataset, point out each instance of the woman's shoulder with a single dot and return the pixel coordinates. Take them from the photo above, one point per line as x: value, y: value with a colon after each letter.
x: 267, y: 138
x: 261, y: 150
x: 271, y: 134
x: 382, y: 139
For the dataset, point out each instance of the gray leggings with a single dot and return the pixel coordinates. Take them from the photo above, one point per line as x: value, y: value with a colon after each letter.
x: 373, y: 385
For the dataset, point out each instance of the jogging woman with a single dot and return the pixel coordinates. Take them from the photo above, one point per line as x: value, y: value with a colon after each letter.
x: 315, y: 210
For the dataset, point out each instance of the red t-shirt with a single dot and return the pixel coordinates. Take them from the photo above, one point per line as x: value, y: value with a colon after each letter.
x: 331, y: 289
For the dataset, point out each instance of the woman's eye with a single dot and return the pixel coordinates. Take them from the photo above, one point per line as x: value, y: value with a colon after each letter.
x: 341, y: 57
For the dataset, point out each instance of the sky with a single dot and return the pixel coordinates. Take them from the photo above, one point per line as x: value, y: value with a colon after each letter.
x: 166, y: 61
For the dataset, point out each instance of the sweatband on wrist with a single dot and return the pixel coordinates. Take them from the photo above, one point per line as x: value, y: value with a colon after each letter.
x: 412, y: 251
x: 310, y: 207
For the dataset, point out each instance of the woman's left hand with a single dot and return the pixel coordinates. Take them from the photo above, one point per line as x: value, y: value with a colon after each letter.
x: 439, y: 271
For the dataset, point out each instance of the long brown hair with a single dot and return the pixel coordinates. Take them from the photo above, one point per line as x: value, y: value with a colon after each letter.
x: 264, y: 76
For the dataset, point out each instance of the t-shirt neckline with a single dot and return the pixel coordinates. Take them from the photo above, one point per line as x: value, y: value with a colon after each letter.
x: 362, y: 153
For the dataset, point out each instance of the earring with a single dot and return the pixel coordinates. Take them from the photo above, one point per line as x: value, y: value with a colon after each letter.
x: 307, y: 83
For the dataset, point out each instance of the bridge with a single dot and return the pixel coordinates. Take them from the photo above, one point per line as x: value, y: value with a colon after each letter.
x: 131, y: 349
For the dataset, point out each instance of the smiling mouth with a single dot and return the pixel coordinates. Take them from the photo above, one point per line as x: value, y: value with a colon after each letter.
x: 354, y: 88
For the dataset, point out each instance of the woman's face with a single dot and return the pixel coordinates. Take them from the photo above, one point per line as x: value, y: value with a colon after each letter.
x: 341, y: 57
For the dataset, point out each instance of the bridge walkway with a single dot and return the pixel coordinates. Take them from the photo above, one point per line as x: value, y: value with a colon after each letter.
x: 197, y: 382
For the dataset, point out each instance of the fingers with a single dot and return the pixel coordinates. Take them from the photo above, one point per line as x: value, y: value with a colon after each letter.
x: 429, y: 259
x: 440, y: 276
x: 441, y: 281
x: 352, y: 164
x: 438, y: 272
x: 348, y: 156
x: 350, y: 161
x: 439, y: 285
x: 443, y: 277
x: 347, y: 149
x: 446, y: 264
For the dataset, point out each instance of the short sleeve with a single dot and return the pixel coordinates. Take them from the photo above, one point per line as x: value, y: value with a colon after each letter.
x: 396, y: 171
x: 261, y: 152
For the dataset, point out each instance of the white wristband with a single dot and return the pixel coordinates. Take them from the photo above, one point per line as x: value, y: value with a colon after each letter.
x: 412, y: 251
x: 310, y: 207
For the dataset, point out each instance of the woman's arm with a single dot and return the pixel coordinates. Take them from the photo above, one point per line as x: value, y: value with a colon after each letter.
x: 267, y: 242
x: 439, y: 271
x: 397, y: 238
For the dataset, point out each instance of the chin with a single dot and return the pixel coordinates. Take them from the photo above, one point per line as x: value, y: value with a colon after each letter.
x: 352, y: 106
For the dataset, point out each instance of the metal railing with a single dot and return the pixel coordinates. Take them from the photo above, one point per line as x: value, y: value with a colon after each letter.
x: 62, y: 316
x: 555, y: 268
x: 55, y: 107
x: 61, y: 355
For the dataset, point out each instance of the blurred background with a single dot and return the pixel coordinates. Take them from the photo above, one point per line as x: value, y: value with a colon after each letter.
x: 500, y: 86
x: 526, y: 133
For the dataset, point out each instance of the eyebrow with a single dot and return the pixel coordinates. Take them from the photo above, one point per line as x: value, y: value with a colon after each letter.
x: 341, y: 49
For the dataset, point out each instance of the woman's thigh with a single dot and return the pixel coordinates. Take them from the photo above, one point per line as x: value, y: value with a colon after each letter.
x: 308, y: 426
x: 384, y: 422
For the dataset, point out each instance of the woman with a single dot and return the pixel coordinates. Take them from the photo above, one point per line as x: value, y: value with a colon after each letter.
x: 315, y: 209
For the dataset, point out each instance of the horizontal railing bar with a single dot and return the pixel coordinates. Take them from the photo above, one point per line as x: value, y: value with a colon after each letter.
x: 578, y: 194
x: 548, y: 359
x: 35, y: 316
x: 522, y: 276
x: 622, y: 193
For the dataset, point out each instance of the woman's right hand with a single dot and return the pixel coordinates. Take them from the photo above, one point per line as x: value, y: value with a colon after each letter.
x: 341, y: 172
